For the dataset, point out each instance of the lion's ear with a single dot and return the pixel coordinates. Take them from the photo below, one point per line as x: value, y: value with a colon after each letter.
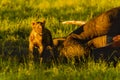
x: 43, y: 22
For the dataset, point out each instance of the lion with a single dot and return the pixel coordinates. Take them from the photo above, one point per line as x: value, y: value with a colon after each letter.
x: 103, y: 41
x: 74, y: 22
x: 102, y: 47
x: 106, y: 24
x: 40, y: 38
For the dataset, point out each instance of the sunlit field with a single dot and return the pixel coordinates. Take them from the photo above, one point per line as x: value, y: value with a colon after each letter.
x: 15, y: 26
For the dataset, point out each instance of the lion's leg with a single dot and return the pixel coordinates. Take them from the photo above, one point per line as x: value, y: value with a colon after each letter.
x: 40, y: 49
x: 31, y: 47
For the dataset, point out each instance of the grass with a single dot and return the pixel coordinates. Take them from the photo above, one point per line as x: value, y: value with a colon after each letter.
x: 89, y: 71
x: 15, y: 25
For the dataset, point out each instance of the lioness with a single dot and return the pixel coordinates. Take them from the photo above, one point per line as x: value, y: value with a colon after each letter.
x: 104, y: 26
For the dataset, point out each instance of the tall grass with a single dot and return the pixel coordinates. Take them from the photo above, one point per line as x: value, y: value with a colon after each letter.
x: 15, y: 25
x: 89, y: 71
x: 13, y: 13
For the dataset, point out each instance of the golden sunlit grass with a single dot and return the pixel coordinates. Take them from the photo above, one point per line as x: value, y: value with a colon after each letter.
x: 15, y: 25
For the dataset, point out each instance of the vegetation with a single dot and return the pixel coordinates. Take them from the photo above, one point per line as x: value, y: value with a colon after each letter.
x: 15, y: 25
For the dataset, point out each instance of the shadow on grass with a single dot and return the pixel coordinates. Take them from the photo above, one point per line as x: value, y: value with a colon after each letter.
x: 14, y: 50
x: 111, y: 55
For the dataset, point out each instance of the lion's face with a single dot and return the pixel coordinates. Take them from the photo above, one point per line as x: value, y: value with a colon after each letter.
x: 38, y: 27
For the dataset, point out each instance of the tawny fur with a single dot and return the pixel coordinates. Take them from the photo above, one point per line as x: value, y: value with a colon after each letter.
x: 101, y: 41
x: 106, y: 24
x: 58, y: 41
x: 116, y: 41
x: 40, y: 37
x: 74, y: 22
x: 98, y: 42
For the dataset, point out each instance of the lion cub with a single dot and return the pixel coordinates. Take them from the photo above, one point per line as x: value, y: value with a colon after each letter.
x: 40, y: 38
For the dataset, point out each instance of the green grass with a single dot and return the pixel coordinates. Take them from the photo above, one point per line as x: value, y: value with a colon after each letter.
x: 89, y: 71
x: 15, y: 25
